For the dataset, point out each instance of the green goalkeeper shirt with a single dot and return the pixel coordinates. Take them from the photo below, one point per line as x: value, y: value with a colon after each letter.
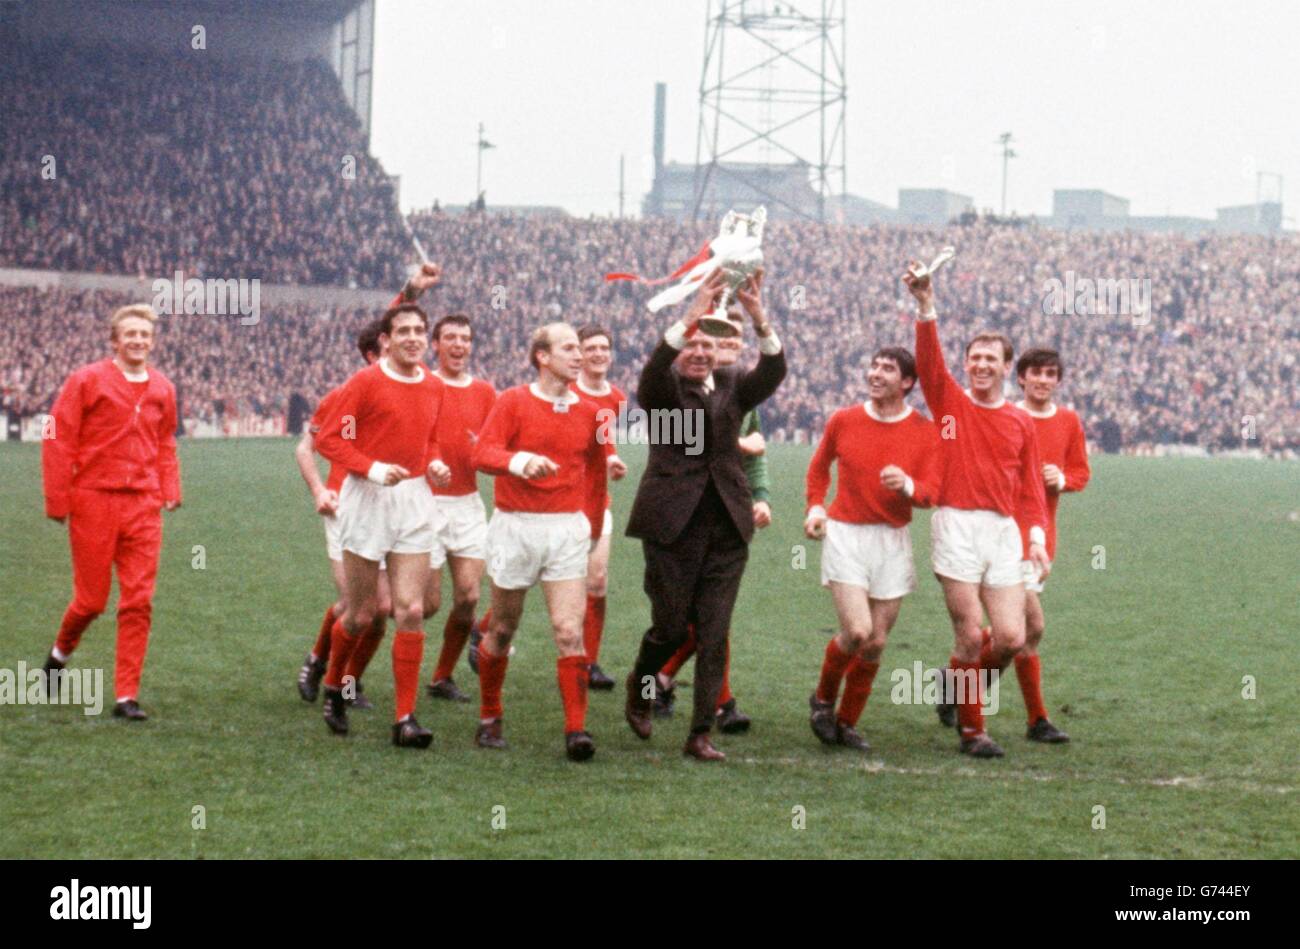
x: 755, y: 465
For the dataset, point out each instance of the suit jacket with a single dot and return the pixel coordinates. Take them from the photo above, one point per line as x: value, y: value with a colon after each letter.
x: 674, y: 480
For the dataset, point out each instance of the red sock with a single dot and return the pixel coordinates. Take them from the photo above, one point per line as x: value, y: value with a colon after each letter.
x: 342, y: 644
x: 322, y: 648
x: 1029, y: 672
x: 454, y: 635
x: 408, y: 650
x: 724, y: 694
x: 366, y: 648
x: 593, y: 625
x: 572, y: 674
x: 678, y: 659
x: 857, y: 689
x: 485, y: 622
x: 967, y: 686
x: 834, y: 665
x: 491, y: 674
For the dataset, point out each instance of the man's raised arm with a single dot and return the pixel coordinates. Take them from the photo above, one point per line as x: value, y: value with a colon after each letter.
x: 656, y: 388
x: 937, y: 384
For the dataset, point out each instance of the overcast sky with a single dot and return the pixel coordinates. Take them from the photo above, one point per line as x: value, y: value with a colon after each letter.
x: 1173, y: 105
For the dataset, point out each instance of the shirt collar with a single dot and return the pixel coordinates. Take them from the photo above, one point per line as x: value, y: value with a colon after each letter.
x: 569, y: 398
x: 871, y: 412
x: 455, y: 385
x: 584, y: 389
x: 1024, y: 406
x: 392, y: 373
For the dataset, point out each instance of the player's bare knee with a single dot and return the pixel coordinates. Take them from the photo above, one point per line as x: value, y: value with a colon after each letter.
x: 873, y: 647
x: 568, y: 639
x: 432, y: 603
x: 464, y: 606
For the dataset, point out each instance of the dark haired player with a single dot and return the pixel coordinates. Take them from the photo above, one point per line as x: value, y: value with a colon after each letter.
x: 887, y: 457
x: 462, y: 537
x: 325, y: 494
x: 383, y: 430
x: 592, y: 384
x: 1064, y: 453
x: 992, y: 481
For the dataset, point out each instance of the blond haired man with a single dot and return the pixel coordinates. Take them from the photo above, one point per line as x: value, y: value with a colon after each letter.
x: 109, y: 467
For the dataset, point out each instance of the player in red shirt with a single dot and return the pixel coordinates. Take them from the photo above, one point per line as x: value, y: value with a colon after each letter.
x: 991, y: 482
x: 550, y: 452
x: 109, y: 467
x: 593, y: 385
x: 1064, y: 453
x: 382, y: 429
x: 325, y: 494
x: 888, y: 462
x: 462, y: 540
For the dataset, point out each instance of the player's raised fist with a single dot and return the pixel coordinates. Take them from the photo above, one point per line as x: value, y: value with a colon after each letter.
x: 427, y: 277
x: 917, y: 279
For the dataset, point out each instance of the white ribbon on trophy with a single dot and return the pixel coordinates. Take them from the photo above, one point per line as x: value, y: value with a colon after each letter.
x: 737, y: 251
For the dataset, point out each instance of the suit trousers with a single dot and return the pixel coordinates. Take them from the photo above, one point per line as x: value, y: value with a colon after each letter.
x: 694, y: 581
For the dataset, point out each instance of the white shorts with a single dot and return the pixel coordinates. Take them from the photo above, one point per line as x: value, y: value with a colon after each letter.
x: 876, y: 557
x: 375, y: 520
x: 975, y: 547
x: 607, y: 525
x: 1033, y: 577
x: 333, y: 547
x: 464, y: 528
x: 524, y: 548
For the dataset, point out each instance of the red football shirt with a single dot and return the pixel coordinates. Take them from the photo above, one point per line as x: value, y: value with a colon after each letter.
x: 609, y: 402
x: 464, y: 410
x: 1061, y: 442
x: 524, y: 420
x: 379, y: 415
x: 862, y: 445
x: 337, y: 472
x: 989, y: 454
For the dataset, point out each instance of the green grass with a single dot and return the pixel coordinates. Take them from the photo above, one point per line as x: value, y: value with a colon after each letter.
x: 1143, y: 665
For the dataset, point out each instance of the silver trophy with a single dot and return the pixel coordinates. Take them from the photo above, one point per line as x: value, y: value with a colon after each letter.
x: 738, y: 252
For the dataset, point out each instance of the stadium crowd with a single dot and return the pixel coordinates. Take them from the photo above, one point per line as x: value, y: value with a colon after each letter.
x: 141, y: 165
x: 1215, y: 362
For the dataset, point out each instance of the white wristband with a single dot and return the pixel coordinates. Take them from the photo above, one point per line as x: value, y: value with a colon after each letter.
x: 1060, y: 481
x: 519, y: 461
x: 378, y: 472
x: 929, y: 314
x: 1037, y: 536
x: 815, y: 511
x: 909, y: 486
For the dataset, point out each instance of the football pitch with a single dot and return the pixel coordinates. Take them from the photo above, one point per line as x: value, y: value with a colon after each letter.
x: 1171, y: 657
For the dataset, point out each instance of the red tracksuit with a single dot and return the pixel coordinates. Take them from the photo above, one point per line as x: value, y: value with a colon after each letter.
x: 109, y: 464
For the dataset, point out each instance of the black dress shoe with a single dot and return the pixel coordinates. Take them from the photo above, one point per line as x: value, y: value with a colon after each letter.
x: 408, y: 734
x: 731, y: 720
x: 489, y: 735
x: 51, y: 669
x: 129, y: 709
x: 579, y: 746
x: 822, y: 720
x: 596, y: 679
x: 699, y: 747
x: 446, y: 689
x: 1044, y: 731
x: 665, y: 698
x: 849, y: 738
x: 336, y: 710
x: 637, y: 709
x: 309, y: 676
x: 980, y: 746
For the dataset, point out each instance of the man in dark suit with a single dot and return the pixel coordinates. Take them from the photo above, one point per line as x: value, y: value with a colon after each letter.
x: 693, y: 511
